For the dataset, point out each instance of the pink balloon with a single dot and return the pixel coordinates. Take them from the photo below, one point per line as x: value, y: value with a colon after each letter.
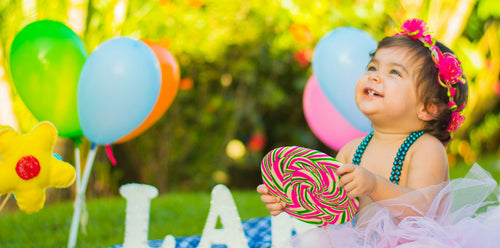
x: 324, y: 120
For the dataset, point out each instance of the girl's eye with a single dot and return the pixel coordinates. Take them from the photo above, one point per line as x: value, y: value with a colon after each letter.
x: 395, y: 73
x: 371, y: 68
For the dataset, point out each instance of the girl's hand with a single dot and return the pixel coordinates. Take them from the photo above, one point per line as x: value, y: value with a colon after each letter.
x: 273, y: 204
x: 356, y: 180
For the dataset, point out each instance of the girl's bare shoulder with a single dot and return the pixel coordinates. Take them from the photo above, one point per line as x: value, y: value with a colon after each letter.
x: 428, y: 162
x: 347, y: 150
x: 429, y: 145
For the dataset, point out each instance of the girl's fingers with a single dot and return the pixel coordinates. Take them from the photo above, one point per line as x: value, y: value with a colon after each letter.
x: 349, y: 189
x: 262, y: 189
x: 274, y: 207
x: 269, y: 199
x: 344, y: 169
x: 346, y: 179
x: 274, y: 213
x: 273, y: 204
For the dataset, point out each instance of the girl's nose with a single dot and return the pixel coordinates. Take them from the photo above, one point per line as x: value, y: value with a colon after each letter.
x: 374, y: 76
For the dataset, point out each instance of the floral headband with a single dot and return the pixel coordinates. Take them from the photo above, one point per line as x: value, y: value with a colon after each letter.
x: 450, y: 71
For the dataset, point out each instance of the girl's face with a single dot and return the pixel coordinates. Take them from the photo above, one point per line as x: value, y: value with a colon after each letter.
x: 386, y: 93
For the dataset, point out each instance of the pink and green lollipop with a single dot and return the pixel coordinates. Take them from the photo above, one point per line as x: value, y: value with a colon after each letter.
x: 305, y: 180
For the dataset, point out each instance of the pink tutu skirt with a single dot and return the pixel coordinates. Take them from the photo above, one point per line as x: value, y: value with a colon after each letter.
x: 463, y: 213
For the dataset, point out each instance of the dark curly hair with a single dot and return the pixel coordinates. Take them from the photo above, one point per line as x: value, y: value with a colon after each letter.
x: 428, y: 89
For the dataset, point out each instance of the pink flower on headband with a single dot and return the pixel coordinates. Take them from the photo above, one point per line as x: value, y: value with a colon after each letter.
x: 456, y: 121
x: 414, y: 28
x: 449, y: 67
x: 428, y: 39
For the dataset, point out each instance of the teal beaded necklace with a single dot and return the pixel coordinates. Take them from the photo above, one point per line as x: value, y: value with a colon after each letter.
x: 400, y: 155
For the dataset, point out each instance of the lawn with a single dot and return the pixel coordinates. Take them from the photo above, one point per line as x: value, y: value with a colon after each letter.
x: 173, y: 213
x: 178, y: 214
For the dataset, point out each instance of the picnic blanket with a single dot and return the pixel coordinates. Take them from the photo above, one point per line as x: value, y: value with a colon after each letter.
x: 257, y: 231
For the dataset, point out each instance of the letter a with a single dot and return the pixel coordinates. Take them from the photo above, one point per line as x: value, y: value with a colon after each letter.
x: 231, y: 234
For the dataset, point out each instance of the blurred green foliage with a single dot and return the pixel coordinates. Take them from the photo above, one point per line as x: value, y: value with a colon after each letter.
x: 248, y: 73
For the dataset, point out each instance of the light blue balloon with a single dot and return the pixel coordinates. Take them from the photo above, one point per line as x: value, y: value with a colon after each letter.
x: 340, y: 59
x: 117, y: 89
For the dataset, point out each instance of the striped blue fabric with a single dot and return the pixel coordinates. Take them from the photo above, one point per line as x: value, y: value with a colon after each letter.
x: 257, y: 232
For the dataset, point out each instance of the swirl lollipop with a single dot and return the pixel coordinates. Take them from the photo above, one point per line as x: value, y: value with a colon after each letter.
x: 305, y: 181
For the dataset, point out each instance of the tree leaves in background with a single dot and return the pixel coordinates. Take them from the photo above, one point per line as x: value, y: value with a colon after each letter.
x: 241, y: 58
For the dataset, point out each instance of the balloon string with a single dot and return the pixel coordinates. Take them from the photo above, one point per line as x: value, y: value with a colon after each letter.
x: 110, y: 155
x: 6, y: 198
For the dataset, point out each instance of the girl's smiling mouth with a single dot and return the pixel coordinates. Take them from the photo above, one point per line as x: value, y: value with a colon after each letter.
x: 372, y: 93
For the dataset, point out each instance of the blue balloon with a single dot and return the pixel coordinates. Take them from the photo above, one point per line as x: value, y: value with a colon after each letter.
x: 340, y: 59
x: 117, y: 89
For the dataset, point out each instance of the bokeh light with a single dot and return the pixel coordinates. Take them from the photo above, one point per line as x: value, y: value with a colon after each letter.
x: 235, y: 149
x: 220, y: 177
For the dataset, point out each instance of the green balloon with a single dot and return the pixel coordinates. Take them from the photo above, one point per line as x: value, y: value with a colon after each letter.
x: 46, y: 58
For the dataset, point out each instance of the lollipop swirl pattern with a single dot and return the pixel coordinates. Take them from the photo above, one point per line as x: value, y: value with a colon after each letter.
x: 305, y: 180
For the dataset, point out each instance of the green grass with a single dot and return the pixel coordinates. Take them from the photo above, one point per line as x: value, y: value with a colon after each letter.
x: 173, y: 213
x: 491, y: 164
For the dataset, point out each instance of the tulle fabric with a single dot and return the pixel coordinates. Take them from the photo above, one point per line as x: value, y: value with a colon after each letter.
x: 463, y: 213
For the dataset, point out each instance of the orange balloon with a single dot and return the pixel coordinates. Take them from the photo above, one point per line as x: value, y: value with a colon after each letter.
x: 170, y: 77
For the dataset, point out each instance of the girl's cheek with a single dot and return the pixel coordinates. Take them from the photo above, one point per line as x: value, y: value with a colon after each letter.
x: 360, y: 83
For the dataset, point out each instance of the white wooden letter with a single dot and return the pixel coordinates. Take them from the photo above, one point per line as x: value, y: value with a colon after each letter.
x: 168, y: 242
x: 137, y: 214
x: 231, y: 234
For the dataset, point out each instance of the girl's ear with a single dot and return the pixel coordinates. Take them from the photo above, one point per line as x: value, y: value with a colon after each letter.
x: 428, y: 112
